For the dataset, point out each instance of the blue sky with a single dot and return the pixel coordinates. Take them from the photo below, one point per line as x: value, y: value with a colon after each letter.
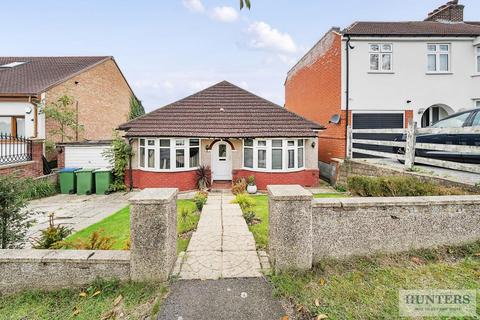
x: 168, y: 49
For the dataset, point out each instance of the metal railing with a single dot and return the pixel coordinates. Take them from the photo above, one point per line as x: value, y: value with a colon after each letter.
x: 410, y: 145
x: 14, y: 149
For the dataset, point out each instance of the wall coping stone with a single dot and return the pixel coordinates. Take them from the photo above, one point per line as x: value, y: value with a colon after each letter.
x: 397, y: 201
x: 288, y: 192
x: 17, y: 164
x: 63, y: 256
x: 154, y: 195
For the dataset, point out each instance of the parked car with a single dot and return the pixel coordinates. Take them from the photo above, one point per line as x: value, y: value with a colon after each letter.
x: 470, y: 118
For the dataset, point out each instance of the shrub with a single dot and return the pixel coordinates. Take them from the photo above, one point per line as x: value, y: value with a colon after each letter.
x: 184, y: 213
x: 35, y: 189
x: 204, y: 177
x: 53, y: 236
x: 200, y: 199
x: 96, y: 241
x: 251, y: 180
x: 14, y: 220
x: 246, y: 202
x: 239, y: 187
x: 340, y: 188
x: 396, y: 186
x: 118, y: 156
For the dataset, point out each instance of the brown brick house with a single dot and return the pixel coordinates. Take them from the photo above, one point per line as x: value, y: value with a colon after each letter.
x: 100, y: 91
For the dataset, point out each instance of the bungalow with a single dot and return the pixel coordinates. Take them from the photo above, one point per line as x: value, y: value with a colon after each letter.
x: 234, y: 132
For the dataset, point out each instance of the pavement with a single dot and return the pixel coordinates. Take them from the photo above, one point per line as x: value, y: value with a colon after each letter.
x: 74, y: 211
x: 239, y: 299
x: 222, y: 246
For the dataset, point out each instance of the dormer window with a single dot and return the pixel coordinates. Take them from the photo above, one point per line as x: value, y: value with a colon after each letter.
x: 381, y: 57
x: 438, y: 57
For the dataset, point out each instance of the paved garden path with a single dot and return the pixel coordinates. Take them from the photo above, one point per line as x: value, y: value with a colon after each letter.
x: 222, y: 246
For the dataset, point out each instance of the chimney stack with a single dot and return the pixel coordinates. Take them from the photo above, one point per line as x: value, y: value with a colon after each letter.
x: 449, y: 12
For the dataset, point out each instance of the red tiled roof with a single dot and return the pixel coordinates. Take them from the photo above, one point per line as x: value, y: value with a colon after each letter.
x: 412, y: 28
x: 221, y: 111
x: 40, y: 73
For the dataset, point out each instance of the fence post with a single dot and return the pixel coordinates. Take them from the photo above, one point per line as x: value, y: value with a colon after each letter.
x: 349, y: 142
x: 153, y: 225
x: 410, y: 145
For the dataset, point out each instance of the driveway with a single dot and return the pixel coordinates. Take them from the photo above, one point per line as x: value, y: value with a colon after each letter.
x: 74, y: 211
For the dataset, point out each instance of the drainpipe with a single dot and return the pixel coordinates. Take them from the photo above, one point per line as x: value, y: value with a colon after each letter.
x: 348, y: 47
x: 130, y: 173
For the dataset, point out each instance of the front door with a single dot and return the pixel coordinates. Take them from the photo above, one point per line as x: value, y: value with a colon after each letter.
x: 221, y: 161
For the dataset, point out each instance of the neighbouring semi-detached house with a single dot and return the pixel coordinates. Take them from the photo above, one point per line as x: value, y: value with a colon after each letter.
x: 100, y: 91
x: 234, y: 132
x: 386, y: 73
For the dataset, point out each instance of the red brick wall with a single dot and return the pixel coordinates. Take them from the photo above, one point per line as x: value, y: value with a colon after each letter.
x: 313, y: 90
x: 61, y: 158
x: 183, y: 180
x: 29, y: 169
x: 306, y: 178
x: 408, y: 117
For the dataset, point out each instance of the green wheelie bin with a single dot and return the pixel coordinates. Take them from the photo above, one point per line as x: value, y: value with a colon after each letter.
x: 103, y: 179
x: 68, y: 180
x: 85, y: 181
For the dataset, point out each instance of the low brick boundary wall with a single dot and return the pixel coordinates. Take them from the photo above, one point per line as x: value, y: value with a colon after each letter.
x: 55, y: 269
x: 345, y: 227
x: 27, y: 169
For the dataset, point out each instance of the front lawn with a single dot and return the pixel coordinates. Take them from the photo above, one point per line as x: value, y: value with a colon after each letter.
x: 101, y: 300
x: 260, y: 230
x: 367, y: 288
x: 117, y: 226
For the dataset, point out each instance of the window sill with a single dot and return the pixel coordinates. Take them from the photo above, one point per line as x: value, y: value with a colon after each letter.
x: 273, y: 171
x: 475, y: 75
x: 438, y: 73
x: 381, y: 72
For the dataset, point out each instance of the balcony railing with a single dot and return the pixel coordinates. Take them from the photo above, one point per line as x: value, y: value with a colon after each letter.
x: 14, y: 149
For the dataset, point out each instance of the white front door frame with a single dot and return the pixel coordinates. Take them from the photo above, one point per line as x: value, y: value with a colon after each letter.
x: 222, y: 161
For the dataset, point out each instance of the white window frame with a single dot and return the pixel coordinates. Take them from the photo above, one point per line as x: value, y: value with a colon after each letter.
x: 173, y: 161
x: 476, y: 103
x: 437, y: 53
x: 380, y: 53
x: 269, y: 149
x: 477, y: 59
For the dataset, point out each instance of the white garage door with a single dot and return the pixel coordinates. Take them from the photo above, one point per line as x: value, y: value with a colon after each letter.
x: 85, y: 157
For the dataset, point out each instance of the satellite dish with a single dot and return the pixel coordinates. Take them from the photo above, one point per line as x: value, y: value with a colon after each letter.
x: 335, y: 119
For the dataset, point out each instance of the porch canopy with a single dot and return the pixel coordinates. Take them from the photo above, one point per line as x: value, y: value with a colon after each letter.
x: 221, y: 111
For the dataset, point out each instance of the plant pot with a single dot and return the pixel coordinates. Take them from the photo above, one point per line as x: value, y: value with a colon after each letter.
x: 252, y: 189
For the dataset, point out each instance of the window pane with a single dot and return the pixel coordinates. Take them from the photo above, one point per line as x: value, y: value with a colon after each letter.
x: 444, y: 47
x: 142, y: 142
x: 300, y: 143
x: 432, y: 62
x: 151, y: 158
x: 179, y: 143
x: 300, y: 157
x: 291, y: 143
x: 151, y: 142
x: 164, y: 142
x: 248, y: 157
x: 387, y: 48
x: 277, y: 159
x: 164, y: 158
x: 5, y: 125
x: 194, y: 157
x: 20, y: 127
x: 277, y: 143
x: 180, y: 158
x: 262, y: 159
x: 386, y: 61
x: 262, y: 143
x: 478, y: 63
x: 374, y: 47
x: 477, y: 104
x: 291, y: 158
x: 374, y: 61
x: 432, y: 47
x: 194, y: 142
x: 444, y: 62
x: 248, y: 142
x: 222, y: 151
x: 142, y: 157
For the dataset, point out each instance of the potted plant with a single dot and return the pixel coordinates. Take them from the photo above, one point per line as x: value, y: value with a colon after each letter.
x: 251, y: 187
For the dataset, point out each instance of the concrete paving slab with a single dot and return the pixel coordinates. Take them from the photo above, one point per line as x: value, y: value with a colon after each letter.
x: 240, y: 264
x: 202, y: 265
x: 205, y: 241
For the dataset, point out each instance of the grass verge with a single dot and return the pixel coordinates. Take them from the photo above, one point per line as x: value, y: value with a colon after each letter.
x: 367, y: 288
x: 101, y: 300
x: 117, y: 226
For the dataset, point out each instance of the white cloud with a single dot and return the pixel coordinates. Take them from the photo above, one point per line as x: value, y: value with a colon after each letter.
x: 194, y: 5
x: 267, y: 38
x: 225, y: 14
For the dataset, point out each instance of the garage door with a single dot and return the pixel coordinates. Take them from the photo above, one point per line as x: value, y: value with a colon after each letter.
x: 85, y: 156
x: 376, y: 121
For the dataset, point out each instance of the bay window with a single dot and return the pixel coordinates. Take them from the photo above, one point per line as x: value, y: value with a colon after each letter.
x: 169, y: 154
x: 273, y: 154
x: 438, y: 57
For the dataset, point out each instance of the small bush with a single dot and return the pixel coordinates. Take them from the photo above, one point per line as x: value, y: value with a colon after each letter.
x: 52, y: 237
x: 245, y: 201
x: 249, y: 217
x: 200, y: 199
x: 96, y: 241
x: 204, y: 177
x: 251, y: 180
x: 239, y: 187
x: 36, y: 189
x: 184, y: 213
x: 340, y: 188
x: 397, y: 186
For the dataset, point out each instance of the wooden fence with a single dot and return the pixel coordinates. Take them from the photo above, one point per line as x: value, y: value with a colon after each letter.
x: 410, y: 145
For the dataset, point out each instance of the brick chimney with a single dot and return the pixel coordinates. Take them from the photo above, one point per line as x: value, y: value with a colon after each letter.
x: 449, y: 12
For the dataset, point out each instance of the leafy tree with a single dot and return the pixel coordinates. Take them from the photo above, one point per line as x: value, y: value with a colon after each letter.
x: 136, y: 108
x: 244, y: 3
x: 118, y: 156
x: 65, y: 117
x: 14, y: 220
